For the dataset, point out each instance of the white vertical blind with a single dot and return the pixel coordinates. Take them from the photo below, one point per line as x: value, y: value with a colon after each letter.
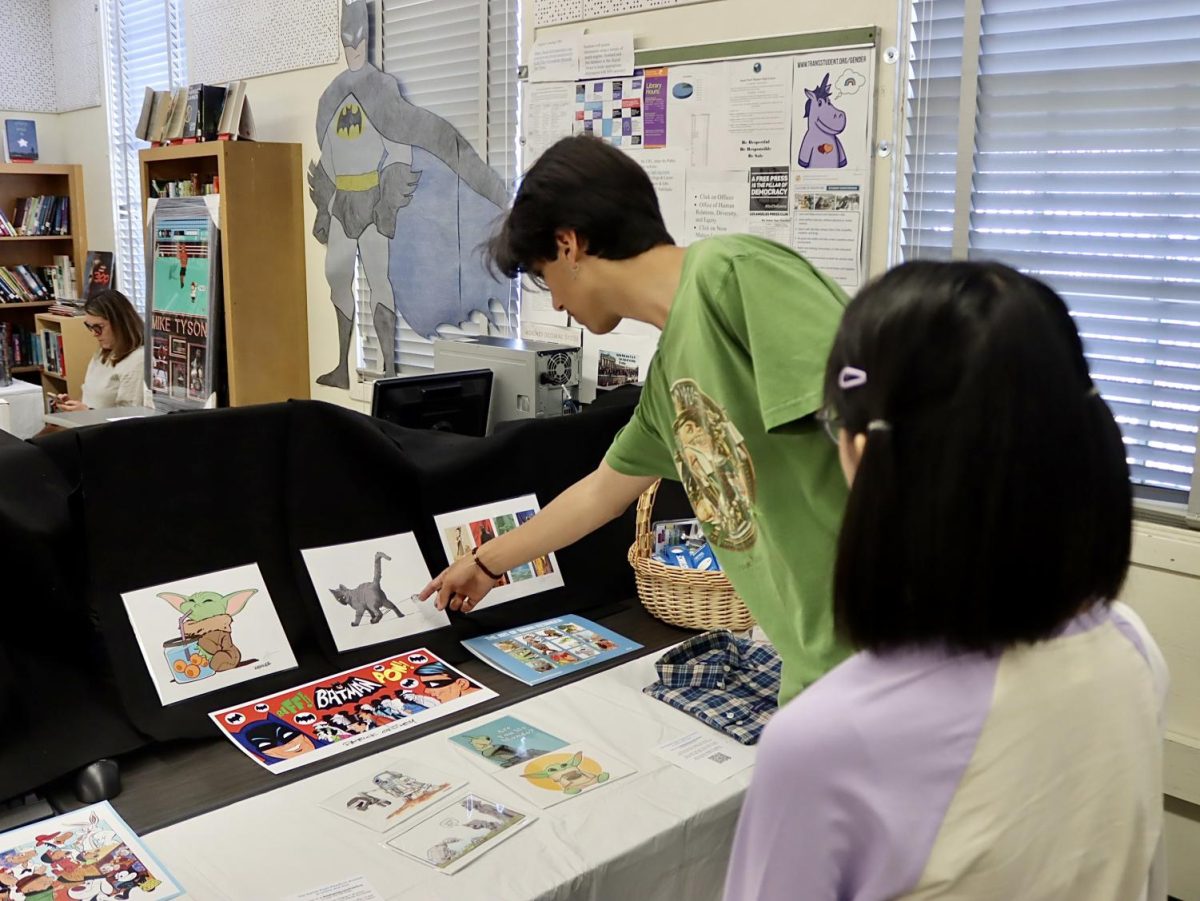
x: 456, y: 58
x: 1086, y: 174
x: 145, y: 49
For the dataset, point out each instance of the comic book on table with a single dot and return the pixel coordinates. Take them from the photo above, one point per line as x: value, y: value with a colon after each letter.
x: 547, y: 650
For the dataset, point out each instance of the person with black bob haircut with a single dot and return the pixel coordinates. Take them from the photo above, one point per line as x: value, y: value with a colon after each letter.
x: 729, y: 402
x: 998, y: 734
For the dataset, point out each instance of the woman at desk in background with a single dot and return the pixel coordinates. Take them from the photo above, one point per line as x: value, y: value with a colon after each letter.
x: 999, y: 733
x: 116, y: 374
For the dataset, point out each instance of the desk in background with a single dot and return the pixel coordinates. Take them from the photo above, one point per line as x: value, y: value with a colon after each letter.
x: 24, y: 401
x: 97, y: 417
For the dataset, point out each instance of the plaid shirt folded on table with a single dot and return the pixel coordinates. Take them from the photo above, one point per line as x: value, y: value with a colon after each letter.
x: 728, y: 683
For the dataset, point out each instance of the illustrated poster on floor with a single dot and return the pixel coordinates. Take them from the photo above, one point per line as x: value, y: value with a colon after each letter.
x: 397, y: 792
x: 328, y: 716
x: 367, y: 590
x: 459, y: 833
x: 462, y: 531
x: 88, y: 854
x: 203, y: 633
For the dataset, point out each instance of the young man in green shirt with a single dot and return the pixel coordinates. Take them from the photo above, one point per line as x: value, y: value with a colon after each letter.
x: 728, y: 403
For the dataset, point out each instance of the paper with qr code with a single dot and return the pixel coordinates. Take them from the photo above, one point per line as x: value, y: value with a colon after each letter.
x: 713, y: 758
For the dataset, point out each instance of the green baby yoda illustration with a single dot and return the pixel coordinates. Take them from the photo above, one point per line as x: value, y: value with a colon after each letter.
x: 208, y: 619
x: 568, y: 776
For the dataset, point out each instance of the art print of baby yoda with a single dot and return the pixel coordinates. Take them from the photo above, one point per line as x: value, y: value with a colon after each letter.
x: 566, y: 773
x: 201, y: 633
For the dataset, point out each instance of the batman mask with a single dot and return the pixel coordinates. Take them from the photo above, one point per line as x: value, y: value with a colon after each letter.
x: 355, y: 24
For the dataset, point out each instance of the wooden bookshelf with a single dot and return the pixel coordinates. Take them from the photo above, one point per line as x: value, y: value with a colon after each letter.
x: 78, y: 348
x: 264, y: 282
x: 28, y: 180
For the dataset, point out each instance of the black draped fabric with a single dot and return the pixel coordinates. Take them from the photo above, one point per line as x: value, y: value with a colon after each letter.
x: 57, y: 695
x: 89, y: 514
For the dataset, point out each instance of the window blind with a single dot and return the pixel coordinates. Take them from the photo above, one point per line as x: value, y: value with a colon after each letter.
x: 1086, y: 174
x: 145, y: 49
x: 456, y: 58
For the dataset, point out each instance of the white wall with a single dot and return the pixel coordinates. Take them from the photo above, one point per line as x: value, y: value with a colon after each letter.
x: 1164, y: 588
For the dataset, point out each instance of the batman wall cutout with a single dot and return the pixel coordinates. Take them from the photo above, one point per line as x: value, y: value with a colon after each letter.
x: 385, y: 162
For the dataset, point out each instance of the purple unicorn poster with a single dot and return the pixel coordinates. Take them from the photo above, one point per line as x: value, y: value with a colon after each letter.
x: 832, y: 111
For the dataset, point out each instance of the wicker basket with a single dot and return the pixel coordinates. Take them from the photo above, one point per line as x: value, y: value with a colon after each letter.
x: 682, y: 597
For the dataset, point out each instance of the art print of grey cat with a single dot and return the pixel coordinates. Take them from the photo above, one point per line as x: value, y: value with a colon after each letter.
x: 368, y: 598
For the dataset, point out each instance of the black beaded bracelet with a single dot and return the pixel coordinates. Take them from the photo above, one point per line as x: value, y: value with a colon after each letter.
x: 487, y: 572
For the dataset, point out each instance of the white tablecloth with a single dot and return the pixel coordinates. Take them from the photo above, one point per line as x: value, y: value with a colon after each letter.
x: 662, y: 834
x: 25, y: 408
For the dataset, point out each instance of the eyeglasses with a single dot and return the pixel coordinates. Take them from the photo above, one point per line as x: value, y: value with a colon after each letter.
x: 95, y: 327
x: 833, y: 425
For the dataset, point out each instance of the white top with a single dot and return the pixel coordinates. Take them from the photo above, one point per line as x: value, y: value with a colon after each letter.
x: 1032, y: 775
x: 122, y: 385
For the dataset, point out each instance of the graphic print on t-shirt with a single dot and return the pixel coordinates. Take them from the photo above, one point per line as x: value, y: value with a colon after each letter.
x: 714, y: 467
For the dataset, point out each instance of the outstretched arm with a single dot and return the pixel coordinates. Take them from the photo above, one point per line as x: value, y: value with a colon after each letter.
x: 594, y: 500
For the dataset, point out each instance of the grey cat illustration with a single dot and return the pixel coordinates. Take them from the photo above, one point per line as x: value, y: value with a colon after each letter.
x: 369, y: 597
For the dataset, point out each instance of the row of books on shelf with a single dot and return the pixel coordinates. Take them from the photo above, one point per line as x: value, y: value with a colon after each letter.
x: 53, y: 356
x: 25, y: 284
x: 199, y: 112
x: 30, y: 284
x: 195, y: 186
x: 19, y: 346
x: 45, y: 214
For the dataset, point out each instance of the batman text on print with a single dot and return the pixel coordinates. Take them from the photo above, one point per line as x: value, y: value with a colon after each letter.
x: 714, y: 467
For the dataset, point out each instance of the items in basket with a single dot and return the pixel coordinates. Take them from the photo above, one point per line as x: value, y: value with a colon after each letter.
x: 681, y: 542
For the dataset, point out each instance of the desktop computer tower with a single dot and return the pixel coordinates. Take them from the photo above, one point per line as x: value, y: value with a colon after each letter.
x: 532, y: 379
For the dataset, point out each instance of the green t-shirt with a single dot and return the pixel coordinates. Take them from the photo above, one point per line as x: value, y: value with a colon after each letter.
x: 727, y: 409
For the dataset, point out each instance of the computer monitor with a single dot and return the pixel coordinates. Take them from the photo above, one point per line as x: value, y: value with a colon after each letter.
x: 445, y: 401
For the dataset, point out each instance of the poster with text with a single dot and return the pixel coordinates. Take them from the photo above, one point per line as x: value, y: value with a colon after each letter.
x: 462, y: 531
x: 328, y: 716
x: 202, y: 633
x: 368, y: 590
x: 184, y: 309
x: 832, y: 160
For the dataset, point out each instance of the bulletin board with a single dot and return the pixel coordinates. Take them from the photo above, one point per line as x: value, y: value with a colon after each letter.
x: 772, y: 137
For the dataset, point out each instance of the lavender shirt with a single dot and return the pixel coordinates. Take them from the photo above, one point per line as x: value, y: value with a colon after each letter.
x: 1036, y: 774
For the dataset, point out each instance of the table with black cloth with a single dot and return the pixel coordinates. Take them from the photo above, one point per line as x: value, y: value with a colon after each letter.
x: 93, y: 512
